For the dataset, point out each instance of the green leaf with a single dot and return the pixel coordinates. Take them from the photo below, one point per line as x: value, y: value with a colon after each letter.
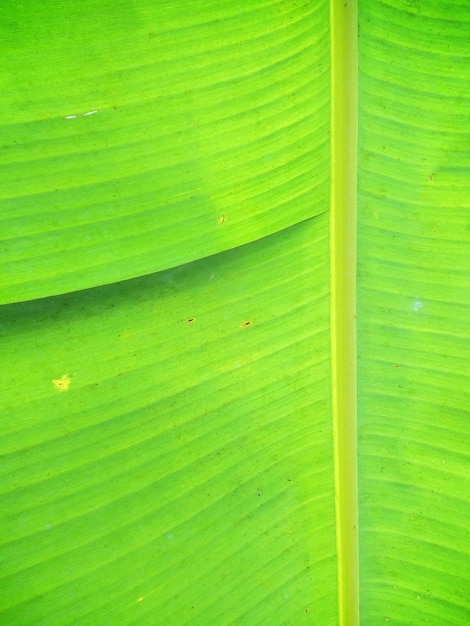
x: 152, y: 135
x: 413, y: 303
x: 178, y: 318
x: 161, y: 448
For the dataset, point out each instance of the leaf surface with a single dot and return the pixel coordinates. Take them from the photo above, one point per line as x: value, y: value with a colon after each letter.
x: 173, y: 475
x: 413, y: 303
x: 153, y: 135
x: 177, y: 328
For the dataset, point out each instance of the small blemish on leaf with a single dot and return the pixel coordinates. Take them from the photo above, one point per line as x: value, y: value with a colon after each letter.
x: 63, y: 383
x: 221, y: 219
x: 246, y: 324
x: 190, y: 320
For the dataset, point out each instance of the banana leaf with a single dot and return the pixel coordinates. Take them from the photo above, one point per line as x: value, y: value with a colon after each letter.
x: 211, y: 413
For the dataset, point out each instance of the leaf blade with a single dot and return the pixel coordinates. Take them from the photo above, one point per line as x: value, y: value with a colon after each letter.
x: 156, y: 138
x: 412, y: 291
x: 160, y: 460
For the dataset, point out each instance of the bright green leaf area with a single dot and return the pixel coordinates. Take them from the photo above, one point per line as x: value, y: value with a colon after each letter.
x: 413, y: 312
x: 167, y: 439
x: 186, y: 471
x: 140, y: 136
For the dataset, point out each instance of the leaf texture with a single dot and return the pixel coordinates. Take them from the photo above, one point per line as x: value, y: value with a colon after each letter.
x: 186, y: 471
x: 149, y: 135
x: 167, y: 451
x: 413, y: 304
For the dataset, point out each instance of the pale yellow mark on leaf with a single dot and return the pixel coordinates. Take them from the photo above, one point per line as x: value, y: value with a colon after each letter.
x: 221, y: 219
x: 246, y: 324
x: 63, y: 383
